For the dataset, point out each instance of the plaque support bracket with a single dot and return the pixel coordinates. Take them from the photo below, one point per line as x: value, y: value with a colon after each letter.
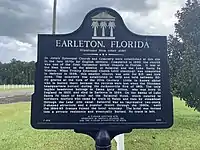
x: 102, y: 137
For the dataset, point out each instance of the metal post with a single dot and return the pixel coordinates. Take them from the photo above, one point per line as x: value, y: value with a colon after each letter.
x: 54, y: 17
x: 103, y: 137
x: 103, y: 140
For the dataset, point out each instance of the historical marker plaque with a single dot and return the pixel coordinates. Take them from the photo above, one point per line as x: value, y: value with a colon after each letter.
x: 101, y: 76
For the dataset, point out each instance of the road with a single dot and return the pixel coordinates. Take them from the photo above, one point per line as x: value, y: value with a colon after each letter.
x: 15, y: 96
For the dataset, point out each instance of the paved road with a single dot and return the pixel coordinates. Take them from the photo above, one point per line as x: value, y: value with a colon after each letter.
x: 15, y: 96
x: 5, y: 94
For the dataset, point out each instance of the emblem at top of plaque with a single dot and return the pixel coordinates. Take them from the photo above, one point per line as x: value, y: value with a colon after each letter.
x: 103, y: 25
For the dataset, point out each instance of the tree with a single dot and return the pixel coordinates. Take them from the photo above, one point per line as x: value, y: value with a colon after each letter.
x: 103, y: 26
x: 184, y: 54
x: 175, y: 50
x: 95, y: 25
x: 111, y: 25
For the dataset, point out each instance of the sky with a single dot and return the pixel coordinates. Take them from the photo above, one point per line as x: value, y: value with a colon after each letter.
x: 22, y: 20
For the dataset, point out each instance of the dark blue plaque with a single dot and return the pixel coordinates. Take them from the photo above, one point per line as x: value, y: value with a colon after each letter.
x: 101, y: 76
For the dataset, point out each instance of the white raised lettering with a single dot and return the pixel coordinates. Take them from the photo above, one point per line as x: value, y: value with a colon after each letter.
x: 58, y: 42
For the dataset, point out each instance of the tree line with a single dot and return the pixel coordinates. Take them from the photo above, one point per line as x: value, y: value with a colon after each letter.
x: 17, y: 72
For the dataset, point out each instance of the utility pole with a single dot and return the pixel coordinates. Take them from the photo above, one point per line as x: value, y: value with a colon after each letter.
x: 54, y: 17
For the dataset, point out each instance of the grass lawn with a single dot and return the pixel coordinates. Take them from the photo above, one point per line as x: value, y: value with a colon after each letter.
x: 17, y: 134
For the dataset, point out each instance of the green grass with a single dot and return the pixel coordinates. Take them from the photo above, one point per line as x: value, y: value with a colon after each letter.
x: 17, y: 134
x: 184, y: 135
